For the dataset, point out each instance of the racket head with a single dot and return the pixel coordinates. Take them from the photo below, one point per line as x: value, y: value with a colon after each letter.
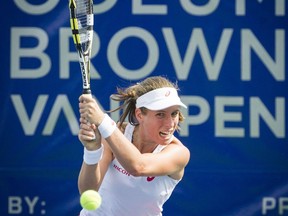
x: 82, y: 22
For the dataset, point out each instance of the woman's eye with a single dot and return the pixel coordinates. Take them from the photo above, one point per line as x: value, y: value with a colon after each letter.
x: 160, y: 114
x: 174, y: 114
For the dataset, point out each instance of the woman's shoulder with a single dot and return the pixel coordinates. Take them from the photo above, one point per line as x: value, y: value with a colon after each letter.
x: 178, y: 144
x: 176, y: 141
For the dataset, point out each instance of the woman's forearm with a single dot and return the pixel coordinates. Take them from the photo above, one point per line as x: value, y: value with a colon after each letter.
x: 89, y: 177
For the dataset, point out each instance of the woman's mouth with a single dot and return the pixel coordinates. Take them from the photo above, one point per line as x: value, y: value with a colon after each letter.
x: 165, y: 134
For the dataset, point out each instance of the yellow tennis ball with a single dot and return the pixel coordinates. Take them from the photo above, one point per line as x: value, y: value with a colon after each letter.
x: 90, y: 200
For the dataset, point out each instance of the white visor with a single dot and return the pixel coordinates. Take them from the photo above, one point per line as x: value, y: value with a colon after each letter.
x: 159, y: 99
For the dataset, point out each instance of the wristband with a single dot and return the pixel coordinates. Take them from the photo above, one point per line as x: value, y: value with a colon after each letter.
x: 107, y: 126
x: 93, y: 157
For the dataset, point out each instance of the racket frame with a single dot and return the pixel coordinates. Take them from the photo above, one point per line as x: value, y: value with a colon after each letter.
x: 83, y: 54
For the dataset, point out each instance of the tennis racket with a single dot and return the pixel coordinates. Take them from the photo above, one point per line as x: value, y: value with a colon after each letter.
x: 82, y: 21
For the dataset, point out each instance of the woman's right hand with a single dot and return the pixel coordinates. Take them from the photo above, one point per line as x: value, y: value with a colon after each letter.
x: 89, y: 135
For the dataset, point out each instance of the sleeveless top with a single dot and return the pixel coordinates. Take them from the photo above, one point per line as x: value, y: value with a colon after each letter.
x: 126, y: 195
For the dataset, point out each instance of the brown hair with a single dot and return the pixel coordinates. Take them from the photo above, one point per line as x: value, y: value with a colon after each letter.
x: 128, y: 97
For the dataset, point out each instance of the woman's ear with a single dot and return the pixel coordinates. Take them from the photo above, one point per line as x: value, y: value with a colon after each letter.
x: 138, y: 114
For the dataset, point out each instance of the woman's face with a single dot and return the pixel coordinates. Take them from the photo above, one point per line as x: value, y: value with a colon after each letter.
x: 159, y: 126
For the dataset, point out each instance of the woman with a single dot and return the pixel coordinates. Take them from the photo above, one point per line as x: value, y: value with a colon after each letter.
x: 139, y: 163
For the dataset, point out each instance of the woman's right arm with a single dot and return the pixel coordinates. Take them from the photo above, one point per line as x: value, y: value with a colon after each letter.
x: 91, y: 176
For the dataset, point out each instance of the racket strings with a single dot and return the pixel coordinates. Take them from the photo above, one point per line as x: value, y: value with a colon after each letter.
x: 84, y: 15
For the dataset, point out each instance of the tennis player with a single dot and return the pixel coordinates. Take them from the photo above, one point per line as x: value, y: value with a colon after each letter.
x: 134, y: 165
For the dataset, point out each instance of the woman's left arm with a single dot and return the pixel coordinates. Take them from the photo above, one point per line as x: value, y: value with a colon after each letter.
x: 170, y: 161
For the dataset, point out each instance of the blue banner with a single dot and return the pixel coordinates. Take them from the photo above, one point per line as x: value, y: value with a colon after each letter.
x: 229, y: 59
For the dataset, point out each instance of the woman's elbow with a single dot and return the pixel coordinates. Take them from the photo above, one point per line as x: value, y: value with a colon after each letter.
x: 136, y: 170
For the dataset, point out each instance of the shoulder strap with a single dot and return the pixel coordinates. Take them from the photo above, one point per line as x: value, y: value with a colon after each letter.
x: 128, y: 133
